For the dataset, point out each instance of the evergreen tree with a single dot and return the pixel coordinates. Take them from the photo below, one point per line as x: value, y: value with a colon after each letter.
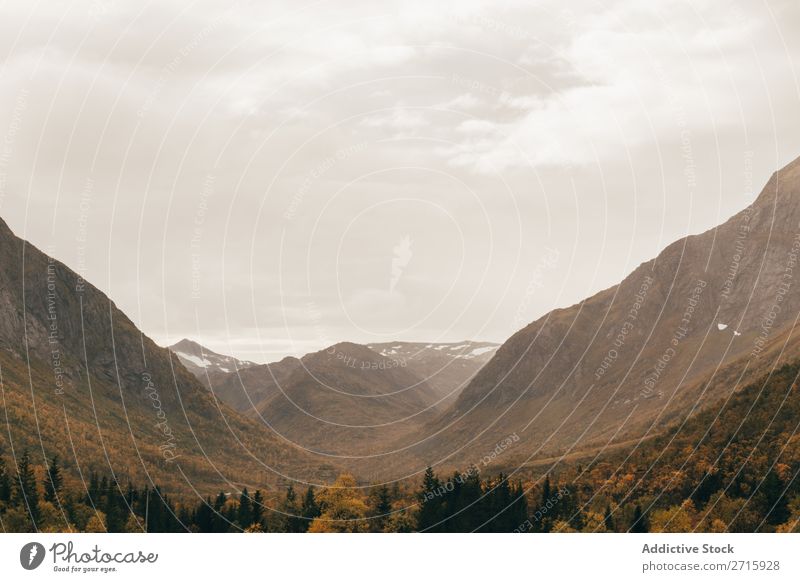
x: 608, y: 519
x: 521, y: 505
x: 220, y: 523
x: 115, y: 517
x: 500, y: 498
x: 294, y: 522
x: 381, y: 510
x: 204, y: 517
x: 639, y: 524
x: 5, y: 481
x: 776, y: 506
x: 92, y: 493
x: 26, y: 494
x: 430, y: 503
x: 311, y: 509
x: 245, y: 513
x: 53, y: 482
x: 546, y: 492
x: 258, y: 508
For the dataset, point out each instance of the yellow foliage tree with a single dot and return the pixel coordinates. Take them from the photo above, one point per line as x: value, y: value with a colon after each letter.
x: 97, y: 523
x: 343, y: 508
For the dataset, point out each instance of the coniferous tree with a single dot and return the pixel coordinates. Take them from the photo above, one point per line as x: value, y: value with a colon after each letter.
x: 92, y: 493
x: 310, y: 509
x: 204, y: 517
x: 776, y: 506
x: 5, y: 481
x: 115, y: 517
x: 430, y: 503
x: 292, y: 512
x: 26, y: 494
x: 639, y: 524
x: 53, y: 482
x: 245, y: 512
x: 608, y: 519
x: 220, y: 522
x: 382, y: 509
x: 258, y: 508
x: 518, y: 512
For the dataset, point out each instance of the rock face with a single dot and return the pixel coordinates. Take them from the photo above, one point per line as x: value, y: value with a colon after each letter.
x: 678, y: 333
x: 81, y: 380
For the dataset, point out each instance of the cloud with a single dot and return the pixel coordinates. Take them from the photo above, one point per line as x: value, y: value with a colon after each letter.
x: 637, y: 76
x: 306, y: 115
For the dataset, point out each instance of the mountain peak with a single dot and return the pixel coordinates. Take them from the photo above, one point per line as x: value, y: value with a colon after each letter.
x: 200, y: 360
x: 783, y: 186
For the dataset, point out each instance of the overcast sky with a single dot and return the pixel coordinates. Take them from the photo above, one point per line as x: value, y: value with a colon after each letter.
x: 272, y: 177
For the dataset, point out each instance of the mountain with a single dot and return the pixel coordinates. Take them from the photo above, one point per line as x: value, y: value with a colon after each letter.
x: 446, y: 367
x: 347, y: 403
x: 79, y: 379
x: 206, y: 364
x: 355, y: 402
x: 675, y: 336
x: 248, y: 388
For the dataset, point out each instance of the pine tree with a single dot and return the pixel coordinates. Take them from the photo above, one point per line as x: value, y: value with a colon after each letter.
x: 776, y: 505
x: 220, y: 523
x: 310, y: 509
x: 245, y: 513
x: 204, y: 517
x: 115, y: 519
x: 546, y: 492
x: 53, y: 482
x: 608, y: 519
x: 92, y: 493
x: 5, y: 481
x: 258, y: 508
x: 430, y: 503
x: 639, y: 524
x: 26, y: 494
x: 382, y: 509
x: 519, y: 507
x: 291, y: 511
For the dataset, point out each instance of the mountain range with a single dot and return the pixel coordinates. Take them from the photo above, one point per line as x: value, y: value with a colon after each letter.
x: 678, y: 336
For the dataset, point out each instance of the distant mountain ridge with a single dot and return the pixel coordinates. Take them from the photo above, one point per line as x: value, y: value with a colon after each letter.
x: 352, y: 400
x: 204, y: 363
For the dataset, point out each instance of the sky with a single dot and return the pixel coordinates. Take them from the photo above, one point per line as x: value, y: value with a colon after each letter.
x: 270, y: 178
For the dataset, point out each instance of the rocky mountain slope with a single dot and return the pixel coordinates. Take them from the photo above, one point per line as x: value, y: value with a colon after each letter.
x: 79, y: 379
x: 633, y: 358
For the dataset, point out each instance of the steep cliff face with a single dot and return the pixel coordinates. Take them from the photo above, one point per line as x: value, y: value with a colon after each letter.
x: 644, y: 352
x: 80, y: 379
